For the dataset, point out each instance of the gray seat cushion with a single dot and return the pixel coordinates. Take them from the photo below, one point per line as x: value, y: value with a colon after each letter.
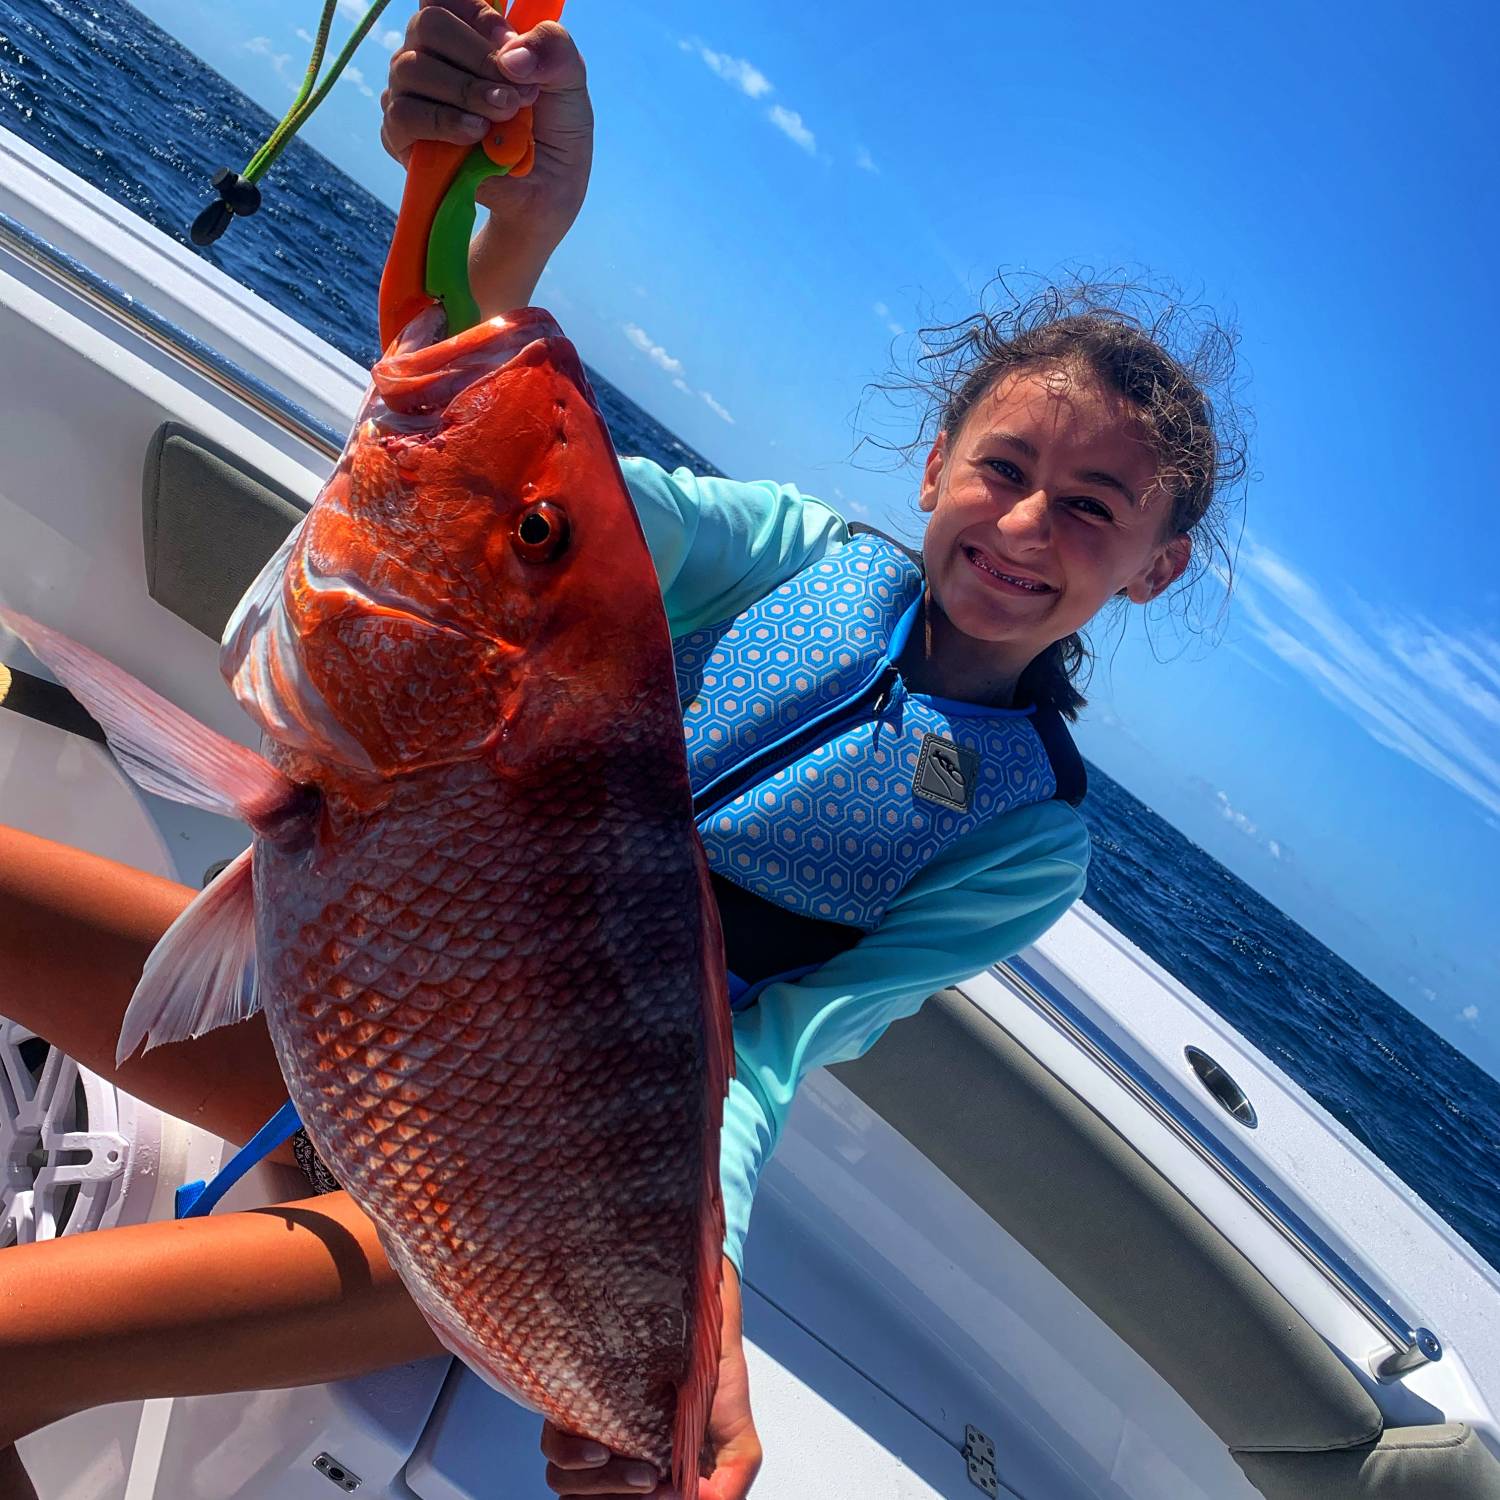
x: 209, y: 523
x: 1408, y: 1463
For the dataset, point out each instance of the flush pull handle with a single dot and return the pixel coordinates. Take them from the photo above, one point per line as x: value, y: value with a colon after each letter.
x: 1224, y: 1091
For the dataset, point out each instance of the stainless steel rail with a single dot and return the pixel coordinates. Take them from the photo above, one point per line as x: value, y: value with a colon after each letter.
x: 1414, y: 1345
x: 162, y: 333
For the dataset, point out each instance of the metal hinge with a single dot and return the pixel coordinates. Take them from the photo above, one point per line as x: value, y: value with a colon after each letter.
x: 979, y: 1453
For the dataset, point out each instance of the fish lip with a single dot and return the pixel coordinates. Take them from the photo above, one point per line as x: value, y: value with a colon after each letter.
x: 425, y: 369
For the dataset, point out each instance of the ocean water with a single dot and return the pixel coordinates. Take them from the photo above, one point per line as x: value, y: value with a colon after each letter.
x: 113, y: 98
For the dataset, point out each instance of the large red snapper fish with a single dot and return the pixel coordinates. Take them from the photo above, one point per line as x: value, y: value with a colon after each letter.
x: 475, y: 910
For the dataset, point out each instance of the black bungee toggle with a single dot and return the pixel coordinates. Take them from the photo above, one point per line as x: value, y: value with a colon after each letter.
x: 236, y: 197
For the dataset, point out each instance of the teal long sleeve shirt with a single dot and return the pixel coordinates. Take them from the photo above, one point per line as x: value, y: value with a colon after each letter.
x: 720, y: 545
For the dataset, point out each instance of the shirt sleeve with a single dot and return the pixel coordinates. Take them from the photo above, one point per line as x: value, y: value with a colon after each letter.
x: 987, y: 896
x: 721, y: 544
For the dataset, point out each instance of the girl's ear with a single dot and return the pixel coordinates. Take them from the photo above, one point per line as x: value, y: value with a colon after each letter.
x: 1167, y: 565
x: 932, y: 471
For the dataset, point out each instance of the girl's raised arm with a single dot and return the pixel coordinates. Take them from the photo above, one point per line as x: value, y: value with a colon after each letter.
x: 461, y: 69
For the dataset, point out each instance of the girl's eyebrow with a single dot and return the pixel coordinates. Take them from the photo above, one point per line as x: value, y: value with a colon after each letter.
x: 1087, y: 476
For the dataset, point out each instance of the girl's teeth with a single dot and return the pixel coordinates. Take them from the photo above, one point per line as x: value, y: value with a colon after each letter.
x: 1025, y: 583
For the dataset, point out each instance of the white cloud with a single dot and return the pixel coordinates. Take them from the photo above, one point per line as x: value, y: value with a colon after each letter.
x: 670, y: 365
x: 882, y: 312
x: 353, y: 75
x: 262, y: 46
x: 1232, y: 815
x: 1428, y: 694
x: 745, y: 76
x: 654, y: 352
x: 789, y: 122
x: 1469, y: 1013
x: 864, y: 161
x: 715, y: 408
x: 391, y: 40
x: 749, y: 80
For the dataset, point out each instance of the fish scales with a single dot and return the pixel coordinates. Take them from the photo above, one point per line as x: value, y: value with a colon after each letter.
x: 556, y: 1219
x: 490, y: 974
x: 475, y: 909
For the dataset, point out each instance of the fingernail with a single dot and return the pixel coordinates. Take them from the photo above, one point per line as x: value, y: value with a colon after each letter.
x: 501, y: 98
x: 473, y: 124
x: 639, y: 1476
x: 519, y: 62
x: 592, y: 1453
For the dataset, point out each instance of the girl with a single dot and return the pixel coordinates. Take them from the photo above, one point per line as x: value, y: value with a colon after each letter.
x: 1073, y: 461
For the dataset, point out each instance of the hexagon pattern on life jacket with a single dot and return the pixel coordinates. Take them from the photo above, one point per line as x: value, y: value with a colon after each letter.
x: 832, y: 828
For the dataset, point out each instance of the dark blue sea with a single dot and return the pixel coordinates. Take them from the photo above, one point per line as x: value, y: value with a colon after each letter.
x: 112, y: 97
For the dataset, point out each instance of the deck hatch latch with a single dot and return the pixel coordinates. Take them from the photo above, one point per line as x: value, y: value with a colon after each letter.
x: 328, y: 1466
x: 979, y: 1454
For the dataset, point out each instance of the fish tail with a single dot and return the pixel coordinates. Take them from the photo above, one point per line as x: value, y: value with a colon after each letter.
x: 159, y: 746
x: 202, y: 973
x: 695, y: 1395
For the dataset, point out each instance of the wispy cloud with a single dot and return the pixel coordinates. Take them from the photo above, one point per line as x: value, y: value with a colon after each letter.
x: 653, y: 351
x: 745, y: 76
x: 863, y: 160
x: 1232, y: 814
x: 882, y: 312
x: 262, y: 46
x: 1429, y: 694
x: 1469, y: 1013
x: 670, y: 365
x: 391, y: 40
x: 750, y: 81
x: 789, y: 123
x: 354, y: 75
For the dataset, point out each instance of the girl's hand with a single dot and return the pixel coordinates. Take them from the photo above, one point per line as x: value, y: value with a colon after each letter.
x: 461, y: 69
x: 578, y: 1467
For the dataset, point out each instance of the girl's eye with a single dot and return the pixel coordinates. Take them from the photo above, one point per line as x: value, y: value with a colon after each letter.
x: 1005, y: 469
x: 1093, y: 507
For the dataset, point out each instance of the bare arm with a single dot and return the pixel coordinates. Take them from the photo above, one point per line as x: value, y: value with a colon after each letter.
x: 461, y: 69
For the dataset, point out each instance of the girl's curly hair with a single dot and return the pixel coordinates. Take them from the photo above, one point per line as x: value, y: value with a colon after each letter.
x: 1172, y: 361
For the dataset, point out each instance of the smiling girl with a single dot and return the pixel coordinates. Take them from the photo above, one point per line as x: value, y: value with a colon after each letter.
x: 877, y: 738
x: 924, y: 826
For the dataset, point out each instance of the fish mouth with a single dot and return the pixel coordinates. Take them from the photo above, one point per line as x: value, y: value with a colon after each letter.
x: 424, y: 370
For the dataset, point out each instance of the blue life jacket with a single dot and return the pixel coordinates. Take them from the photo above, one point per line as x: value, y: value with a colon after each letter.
x: 821, y: 784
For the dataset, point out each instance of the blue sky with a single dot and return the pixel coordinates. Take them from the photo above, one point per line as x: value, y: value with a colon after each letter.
x: 783, y: 195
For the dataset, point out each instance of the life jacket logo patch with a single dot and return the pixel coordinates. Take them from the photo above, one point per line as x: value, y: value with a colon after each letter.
x: 946, y: 773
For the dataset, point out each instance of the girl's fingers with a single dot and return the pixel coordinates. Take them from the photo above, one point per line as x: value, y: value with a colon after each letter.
x: 479, y: 17
x: 547, y: 56
x: 569, y: 1451
x: 580, y: 1467
x: 409, y: 119
x: 617, y: 1480
x: 422, y: 76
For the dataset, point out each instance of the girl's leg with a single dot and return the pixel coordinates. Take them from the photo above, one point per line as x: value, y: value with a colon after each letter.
x: 295, y: 1294
x: 75, y: 932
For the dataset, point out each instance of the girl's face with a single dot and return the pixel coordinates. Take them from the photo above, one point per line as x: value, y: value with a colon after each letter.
x: 1044, y: 504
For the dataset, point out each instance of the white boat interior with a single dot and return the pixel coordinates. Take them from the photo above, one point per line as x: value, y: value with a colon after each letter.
x: 1064, y: 1235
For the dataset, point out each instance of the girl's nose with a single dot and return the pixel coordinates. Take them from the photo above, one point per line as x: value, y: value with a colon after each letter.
x: 1028, y: 523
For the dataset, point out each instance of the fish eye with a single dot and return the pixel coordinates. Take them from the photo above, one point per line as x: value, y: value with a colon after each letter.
x: 541, y: 533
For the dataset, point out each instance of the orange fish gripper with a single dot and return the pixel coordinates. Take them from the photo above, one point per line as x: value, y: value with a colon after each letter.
x: 428, y: 260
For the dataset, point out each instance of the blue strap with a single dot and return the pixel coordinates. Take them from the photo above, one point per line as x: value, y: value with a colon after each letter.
x: 196, y: 1199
